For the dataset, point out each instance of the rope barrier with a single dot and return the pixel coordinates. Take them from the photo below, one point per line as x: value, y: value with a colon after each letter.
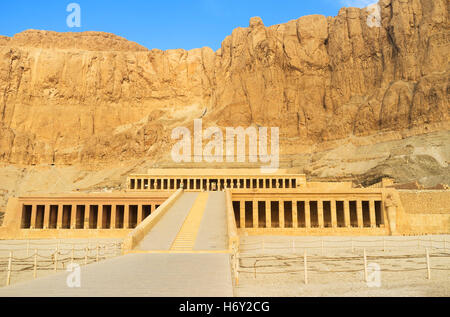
x: 56, y: 258
x: 284, y: 263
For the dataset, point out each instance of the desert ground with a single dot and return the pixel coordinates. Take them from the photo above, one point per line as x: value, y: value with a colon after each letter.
x: 337, y: 271
x: 23, y: 256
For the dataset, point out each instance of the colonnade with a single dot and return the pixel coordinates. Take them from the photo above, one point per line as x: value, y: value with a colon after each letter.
x: 210, y: 183
x: 85, y: 216
x: 308, y: 213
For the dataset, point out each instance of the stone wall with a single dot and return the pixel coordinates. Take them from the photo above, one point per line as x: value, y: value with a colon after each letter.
x: 426, y: 202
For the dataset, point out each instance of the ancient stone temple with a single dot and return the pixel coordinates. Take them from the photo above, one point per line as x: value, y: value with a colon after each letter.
x: 284, y: 203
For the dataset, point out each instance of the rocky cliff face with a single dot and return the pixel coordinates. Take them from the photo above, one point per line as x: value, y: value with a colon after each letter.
x: 94, y: 98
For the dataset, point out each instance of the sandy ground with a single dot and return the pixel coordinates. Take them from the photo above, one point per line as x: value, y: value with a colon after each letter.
x: 337, y: 271
x: 23, y: 256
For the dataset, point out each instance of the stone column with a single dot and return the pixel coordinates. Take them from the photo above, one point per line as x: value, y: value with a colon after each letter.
x: 87, y: 215
x: 126, y: 216
x: 359, y: 213
x: 255, y: 214
x: 307, y: 214
x: 100, y: 216
x: 207, y: 185
x: 281, y: 210
x: 268, y: 215
x: 333, y: 213
x: 347, y: 213
x: 294, y: 214
x: 242, y: 213
x: 113, y: 216
x: 60, y: 215
x: 33, y: 216
x: 373, y: 221
x: 320, y: 212
x: 46, y: 216
x: 139, y: 214
x: 73, y: 217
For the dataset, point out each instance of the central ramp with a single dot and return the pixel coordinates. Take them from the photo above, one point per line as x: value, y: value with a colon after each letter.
x: 185, y: 239
x: 195, y: 223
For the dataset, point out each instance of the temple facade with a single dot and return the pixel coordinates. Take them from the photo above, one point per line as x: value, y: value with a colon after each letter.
x: 281, y: 203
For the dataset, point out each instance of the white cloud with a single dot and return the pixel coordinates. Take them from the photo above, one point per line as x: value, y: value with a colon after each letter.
x: 358, y: 3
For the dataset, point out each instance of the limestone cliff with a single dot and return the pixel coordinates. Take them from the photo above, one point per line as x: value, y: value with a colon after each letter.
x: 93, y: 98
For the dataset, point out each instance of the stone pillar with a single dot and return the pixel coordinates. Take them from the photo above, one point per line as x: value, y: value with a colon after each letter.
x: 207, y: 185
x: 307, y: 214
x: 33, y: 216
x: 320, y: 212
x: 113, y: 216
x: 268, y: 215
x: 46, y: 216
x: 255, y: 214
x: 294, y: 214
x: 73, y: 217
x: 60, y: 215
x: 87, y: 215
x: 333, y: 213
x: 347, y: 213
x: 359, y: 213
x: 126, y: 217
x: 289, y: 183
x: 100, y: 216
x: 373, y: 221
x: 139, y: 214
x: 281, y: 209
x: 242, y: 213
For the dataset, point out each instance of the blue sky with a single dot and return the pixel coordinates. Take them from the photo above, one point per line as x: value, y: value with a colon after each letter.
x: 163, y: 24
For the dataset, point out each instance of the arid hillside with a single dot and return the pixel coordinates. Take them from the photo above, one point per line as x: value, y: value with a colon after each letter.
x: 362, y: 94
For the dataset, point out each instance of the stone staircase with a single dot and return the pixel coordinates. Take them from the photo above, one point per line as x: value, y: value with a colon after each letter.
x: 186, y: 238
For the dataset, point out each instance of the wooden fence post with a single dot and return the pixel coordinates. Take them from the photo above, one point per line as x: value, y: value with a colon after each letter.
x: 8, y: 276
x: 321, y: 240
x: 365, y: 266
x: 305, y: 265
x: 56, y: 259
x: 35, y: 264
x: 236, y: 268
